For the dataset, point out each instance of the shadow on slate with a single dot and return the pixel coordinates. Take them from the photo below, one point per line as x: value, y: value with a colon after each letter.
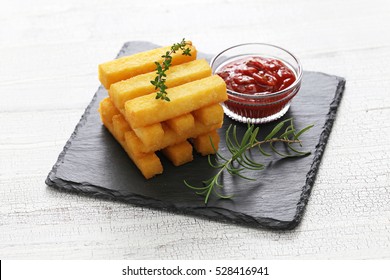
x: 93, y: 163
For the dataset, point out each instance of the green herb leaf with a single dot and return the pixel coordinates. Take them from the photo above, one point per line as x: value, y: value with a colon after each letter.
x: 161, y: 68
x: 240, y: 158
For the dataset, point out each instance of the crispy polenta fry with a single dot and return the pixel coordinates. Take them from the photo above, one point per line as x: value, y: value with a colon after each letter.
x: 150, y: 135
x: 183, y: 124
x: 147, y: 110
x: 171, y: 137
x: 210, y: 114
x: 148, y: 163
x: 179, y: 154
x: 129, y: 66
x: 140, y: 85
x: 203, y: 143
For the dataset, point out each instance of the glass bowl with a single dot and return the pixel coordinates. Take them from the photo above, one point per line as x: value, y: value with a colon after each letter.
x: 259, y: 107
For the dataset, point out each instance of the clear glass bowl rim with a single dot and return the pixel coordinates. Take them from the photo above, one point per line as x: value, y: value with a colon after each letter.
x: 266, y: 95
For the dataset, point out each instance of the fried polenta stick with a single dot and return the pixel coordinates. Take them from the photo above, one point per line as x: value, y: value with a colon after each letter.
x: 147, y: 110
x: 179, y: 154
x: 129, y: 66
x: 140, y: 85
x: 170, y: 136
x: 210, y: 114
x: 148, y: 163
x: 182, y: 125
x: 203, y: 145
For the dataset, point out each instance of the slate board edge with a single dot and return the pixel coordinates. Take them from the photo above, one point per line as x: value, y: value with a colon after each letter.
x: 319, y: 151
x: 220, y: 213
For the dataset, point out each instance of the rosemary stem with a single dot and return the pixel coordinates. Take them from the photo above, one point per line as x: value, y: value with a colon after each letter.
x: 240, y: 160
x: 274, y: 140
x: 216, y: 178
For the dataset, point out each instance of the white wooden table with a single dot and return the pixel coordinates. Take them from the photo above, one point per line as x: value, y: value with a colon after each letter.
x: 49, y: 52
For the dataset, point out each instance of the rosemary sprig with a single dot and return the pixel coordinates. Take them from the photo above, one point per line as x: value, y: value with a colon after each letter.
x: 162, y: 68
x: 240, y: 159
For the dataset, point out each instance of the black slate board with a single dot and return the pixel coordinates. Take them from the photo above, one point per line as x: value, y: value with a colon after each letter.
x: 93, y: 163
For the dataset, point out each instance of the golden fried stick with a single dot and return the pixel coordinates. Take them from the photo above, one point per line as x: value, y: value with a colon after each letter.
x: 148, y: 163
x: 170, y: 136
x: 129, y: 66
x: 147, y: 110
x: 179, y: 154
x: 202, y: 143
x: 210, y: 114
x: 140, y: 85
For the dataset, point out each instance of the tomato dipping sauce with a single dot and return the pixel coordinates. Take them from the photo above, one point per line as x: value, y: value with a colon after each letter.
x: 257, y: 75
x: 261, y: 80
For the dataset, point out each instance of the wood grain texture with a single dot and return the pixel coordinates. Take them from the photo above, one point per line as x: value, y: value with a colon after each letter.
x: 49, y: 53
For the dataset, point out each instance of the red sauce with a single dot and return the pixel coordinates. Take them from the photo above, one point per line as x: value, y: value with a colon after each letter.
x: 257, y: 74
x: 258, y: 77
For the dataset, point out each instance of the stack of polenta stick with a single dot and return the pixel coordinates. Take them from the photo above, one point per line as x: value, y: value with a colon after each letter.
x: 143, y: 124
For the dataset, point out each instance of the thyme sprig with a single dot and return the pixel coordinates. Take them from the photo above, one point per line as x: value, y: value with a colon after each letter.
x: 240, y: 159
x: 162, y: 68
